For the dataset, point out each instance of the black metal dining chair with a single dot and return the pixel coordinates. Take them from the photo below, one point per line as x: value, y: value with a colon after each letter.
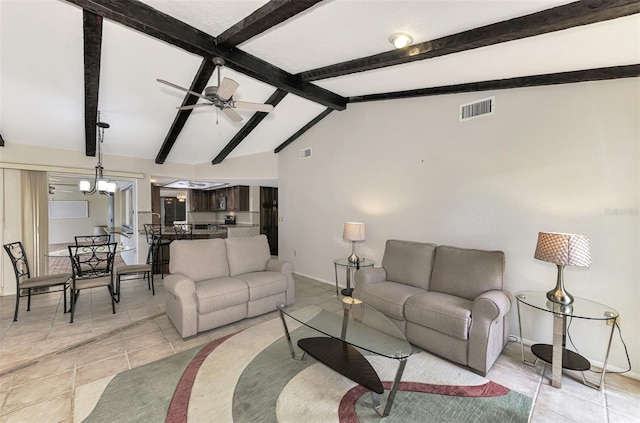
x: 24, y: 281
x: 91, y: 239
x: 145, y: 269
x: 92, y: 267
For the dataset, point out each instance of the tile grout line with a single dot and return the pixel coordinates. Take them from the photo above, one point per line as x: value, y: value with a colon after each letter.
x: 78, y: 345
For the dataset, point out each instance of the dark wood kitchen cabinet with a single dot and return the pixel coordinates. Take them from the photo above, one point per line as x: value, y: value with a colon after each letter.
x: 199, y: 200
x: 238, y: 198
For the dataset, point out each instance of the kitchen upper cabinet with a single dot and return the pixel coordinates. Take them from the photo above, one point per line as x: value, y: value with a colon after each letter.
x: 199, y: 200
x: 238, y: 198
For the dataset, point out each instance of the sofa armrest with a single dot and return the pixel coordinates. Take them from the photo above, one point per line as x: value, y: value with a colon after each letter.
x: 366, y: 276
x: 180, y: 298
x: 285, y: 267
x: 491, y: 305
x: 489, y: 329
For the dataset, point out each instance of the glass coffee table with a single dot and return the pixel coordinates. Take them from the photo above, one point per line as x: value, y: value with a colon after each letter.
x: 348, y: 325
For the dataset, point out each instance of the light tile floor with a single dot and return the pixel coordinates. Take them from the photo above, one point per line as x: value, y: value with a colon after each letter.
x: 44, y: 359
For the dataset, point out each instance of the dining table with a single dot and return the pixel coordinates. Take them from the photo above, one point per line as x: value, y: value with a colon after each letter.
x: 65, y: 252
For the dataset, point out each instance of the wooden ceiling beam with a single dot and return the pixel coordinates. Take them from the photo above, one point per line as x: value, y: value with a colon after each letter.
x: 251, y: 124
x: 302, y: 130
x: 198, y: 85
x: 555, y: 19
x: 143, y: 18
x: 269, y: 15
x: 92, y: 33
x: 587, y: 75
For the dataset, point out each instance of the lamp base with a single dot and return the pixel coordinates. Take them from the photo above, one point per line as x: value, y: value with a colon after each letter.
x: 560, y: 297
x: 353, y: 258
x: 558, y: 294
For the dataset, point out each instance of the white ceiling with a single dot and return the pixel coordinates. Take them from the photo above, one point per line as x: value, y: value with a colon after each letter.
x: 42, y: 73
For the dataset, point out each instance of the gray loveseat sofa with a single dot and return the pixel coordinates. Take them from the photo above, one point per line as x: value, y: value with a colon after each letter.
x: 446, y: 300
x: 214, y: 282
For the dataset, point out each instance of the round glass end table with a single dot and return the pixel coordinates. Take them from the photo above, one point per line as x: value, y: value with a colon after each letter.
x: 350, y: 267
x: 557, y: 354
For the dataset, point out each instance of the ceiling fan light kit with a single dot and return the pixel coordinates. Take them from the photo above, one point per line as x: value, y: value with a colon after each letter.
x: 400, y: 40
x: 221, y: 96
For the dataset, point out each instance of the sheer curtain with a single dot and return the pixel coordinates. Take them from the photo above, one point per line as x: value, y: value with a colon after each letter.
x: 35, y: 220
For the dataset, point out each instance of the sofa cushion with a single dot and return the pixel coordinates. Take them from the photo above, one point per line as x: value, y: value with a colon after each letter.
x: 444, y: 313
x: 220, y: 293
x: 466, y: 273
x: 388, y: 297
x: 264, y: 284
x: 247, y: 254
x: 199, y: 259
x: 408, y: 262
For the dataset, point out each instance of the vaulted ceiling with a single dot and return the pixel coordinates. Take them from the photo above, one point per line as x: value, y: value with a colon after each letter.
x: 62, y: 62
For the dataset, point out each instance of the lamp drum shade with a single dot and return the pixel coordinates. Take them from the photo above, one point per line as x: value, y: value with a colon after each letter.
x: 354, y: 231
x: 563, y: 249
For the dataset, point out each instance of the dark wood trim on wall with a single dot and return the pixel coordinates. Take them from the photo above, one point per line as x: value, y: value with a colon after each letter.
x: 1, y: 141
x: 302, y: 130
x: 143, y: 18
x: 598, y: 74
x: 251, y: 124
x: 269, y: 15
x: 198, y: 85
x: 555, y: 19
x: 92, y: 32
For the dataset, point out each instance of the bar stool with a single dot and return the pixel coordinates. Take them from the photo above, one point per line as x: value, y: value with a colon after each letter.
x: 183, y: 230
x: 154, y: 234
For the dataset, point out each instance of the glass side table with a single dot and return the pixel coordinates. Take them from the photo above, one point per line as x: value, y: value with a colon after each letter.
x: 557, y: 355
x: 350, y: 267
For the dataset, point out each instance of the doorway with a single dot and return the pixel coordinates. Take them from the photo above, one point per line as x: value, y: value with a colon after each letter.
x: 269, y: 216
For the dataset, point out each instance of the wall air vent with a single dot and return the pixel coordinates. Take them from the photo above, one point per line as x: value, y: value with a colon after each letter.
x: 479, y: 108
x: 305, y: 153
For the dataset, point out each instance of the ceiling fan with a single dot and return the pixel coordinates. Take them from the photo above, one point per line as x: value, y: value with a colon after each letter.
x: 221, y: 96
x: 192, y: 184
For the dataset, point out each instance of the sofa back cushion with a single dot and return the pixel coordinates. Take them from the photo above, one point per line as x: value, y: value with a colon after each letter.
x: 247, y: 254
x: 199, y: 259
x: 466, y: 273
x: 408, y: 262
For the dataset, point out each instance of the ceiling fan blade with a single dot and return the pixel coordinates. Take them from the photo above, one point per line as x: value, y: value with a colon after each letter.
x: 232, y: 114
x: 193, y: 106
x: 226, y: 89
x: 178, y: 87
x: 259, y: 107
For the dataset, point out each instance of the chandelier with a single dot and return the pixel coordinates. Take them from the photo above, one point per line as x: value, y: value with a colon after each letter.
x: 182, y: 197
x: 100, y: 184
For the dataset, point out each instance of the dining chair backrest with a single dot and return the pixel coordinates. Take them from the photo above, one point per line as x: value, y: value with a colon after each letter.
x: 92, y: 239
x: 18, y: 260
x: 91, y: 261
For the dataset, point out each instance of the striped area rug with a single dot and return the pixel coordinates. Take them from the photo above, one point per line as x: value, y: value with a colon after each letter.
x: 250, y: 377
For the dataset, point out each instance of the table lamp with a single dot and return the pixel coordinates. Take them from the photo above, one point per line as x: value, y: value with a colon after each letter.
x: 562, y: 249
x: 354, y: 232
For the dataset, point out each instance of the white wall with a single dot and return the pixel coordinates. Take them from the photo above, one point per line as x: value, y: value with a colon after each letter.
x: 558, y: 158
x: 63, y: 230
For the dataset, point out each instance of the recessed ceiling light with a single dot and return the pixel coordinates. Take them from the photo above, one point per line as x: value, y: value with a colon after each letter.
x: 400, y: 40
